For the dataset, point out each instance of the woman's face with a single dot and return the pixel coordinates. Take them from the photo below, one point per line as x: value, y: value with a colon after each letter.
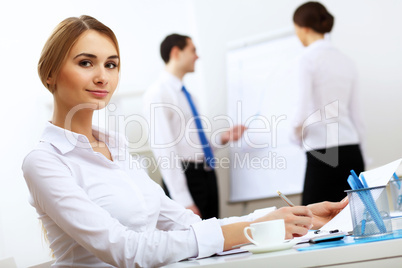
x: 89, y: 74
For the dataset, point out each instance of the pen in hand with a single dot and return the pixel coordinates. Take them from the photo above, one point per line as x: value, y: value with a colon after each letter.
x: 284, y: 198
x: 287, y: 201
x: 290, y: 204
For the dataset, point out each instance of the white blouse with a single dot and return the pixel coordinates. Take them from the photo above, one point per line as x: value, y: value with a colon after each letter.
x: 102, y: 213
x: 328, y: 108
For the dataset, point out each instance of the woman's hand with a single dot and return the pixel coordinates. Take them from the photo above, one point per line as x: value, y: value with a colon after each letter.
x: 298, y: 220
x: 323, y: 212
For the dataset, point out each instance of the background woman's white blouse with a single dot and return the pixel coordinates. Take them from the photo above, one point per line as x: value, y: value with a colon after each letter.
x: 328, y: 108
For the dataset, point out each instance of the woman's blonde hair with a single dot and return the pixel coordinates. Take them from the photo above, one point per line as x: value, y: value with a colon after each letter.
x: 61, y: 41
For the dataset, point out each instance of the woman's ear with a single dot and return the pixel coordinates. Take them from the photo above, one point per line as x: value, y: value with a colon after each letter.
x: 51, y: 84
x: 49, y: 81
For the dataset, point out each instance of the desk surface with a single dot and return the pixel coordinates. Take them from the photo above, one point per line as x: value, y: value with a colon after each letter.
x: 387, y: 253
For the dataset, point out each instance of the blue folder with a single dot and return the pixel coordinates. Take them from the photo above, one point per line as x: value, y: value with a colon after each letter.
x: 350, y: 240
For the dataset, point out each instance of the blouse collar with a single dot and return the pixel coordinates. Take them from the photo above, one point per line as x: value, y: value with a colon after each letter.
x: 65, y: 140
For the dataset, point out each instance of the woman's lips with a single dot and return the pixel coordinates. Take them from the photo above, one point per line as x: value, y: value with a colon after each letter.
x: 98, y: 93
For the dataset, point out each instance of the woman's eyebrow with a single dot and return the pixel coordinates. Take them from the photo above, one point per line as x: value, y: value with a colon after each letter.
x: 86, y: 55
x: 94, y: 56
x: 114, y: 57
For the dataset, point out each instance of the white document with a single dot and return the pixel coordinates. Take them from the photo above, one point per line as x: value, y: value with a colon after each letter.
x: 375, y: 177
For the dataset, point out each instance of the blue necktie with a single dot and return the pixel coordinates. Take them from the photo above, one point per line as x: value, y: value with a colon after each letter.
x: 209, y: 156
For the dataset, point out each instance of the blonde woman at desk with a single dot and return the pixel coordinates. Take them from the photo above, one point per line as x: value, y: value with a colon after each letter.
x: 98, y: 209
x: 327, y: 121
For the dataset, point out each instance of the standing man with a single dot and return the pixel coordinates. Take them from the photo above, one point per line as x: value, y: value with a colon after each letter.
x: 177, y: 135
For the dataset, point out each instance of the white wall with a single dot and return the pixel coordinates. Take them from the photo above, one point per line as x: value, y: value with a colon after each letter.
x: 367, y: 30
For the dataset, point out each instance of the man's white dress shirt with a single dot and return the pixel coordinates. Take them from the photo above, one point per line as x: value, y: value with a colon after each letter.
x: 173, y: 133
x: 328, y: 106
x: 102, y: 213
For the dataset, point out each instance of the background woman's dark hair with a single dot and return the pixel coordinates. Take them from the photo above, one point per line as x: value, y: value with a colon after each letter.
x: 173, y: 40
x: 315, y: 16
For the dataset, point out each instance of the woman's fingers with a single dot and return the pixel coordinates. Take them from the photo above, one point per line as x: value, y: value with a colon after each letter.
x: 298, y: 220
x: 295, y: 231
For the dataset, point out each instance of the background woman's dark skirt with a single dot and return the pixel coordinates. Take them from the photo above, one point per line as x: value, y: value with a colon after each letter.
x: 327, y: 172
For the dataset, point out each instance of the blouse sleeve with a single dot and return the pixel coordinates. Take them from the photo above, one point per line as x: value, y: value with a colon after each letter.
x: 208, y: 233
x: 56, y: 194
x: 248, y: 218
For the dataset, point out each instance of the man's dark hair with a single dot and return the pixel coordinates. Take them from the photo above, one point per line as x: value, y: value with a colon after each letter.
x: 170, y: 41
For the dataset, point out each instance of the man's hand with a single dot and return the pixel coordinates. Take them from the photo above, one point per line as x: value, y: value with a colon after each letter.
x: 298, y: 220
x: 323, y: 212
x: 195, y: 209
x: 233, y: 134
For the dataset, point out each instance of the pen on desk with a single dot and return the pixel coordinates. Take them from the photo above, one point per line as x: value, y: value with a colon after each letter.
x: 284, y: 198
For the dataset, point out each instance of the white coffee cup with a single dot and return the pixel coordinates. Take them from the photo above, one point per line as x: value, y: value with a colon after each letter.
x: 267, y: 232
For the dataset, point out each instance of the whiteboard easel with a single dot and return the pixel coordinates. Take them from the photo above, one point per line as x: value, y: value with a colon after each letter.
x: 260, y: 79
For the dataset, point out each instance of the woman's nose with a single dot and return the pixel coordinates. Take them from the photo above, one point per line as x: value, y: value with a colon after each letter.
x: 100, y: 76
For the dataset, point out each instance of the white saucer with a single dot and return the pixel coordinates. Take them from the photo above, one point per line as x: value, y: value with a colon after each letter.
x: 268, y: 248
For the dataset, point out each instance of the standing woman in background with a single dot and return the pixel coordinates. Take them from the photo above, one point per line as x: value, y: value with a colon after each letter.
x: 327, y: 121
